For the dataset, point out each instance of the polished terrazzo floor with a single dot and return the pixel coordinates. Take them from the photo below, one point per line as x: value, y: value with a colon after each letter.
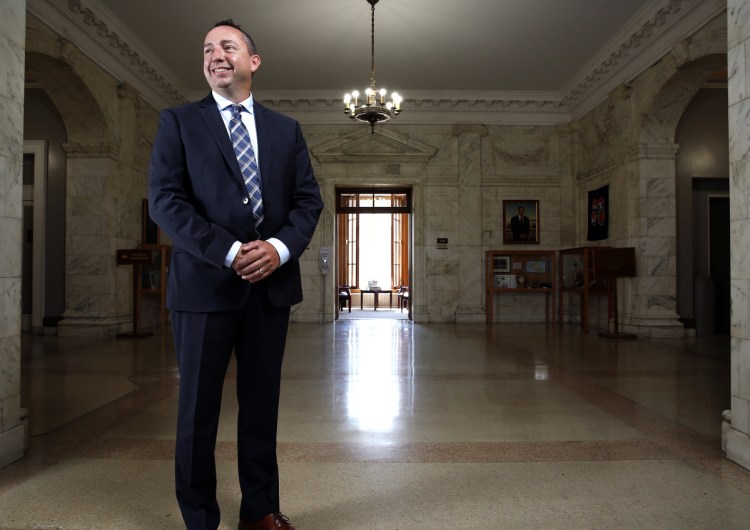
x: 390, y: 425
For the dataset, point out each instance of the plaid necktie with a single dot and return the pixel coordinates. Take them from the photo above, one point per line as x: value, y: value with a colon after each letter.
x: 243, y: 149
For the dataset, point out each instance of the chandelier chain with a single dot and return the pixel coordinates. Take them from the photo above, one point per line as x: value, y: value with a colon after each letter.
x: 373, y: 107
x: 372, y: 47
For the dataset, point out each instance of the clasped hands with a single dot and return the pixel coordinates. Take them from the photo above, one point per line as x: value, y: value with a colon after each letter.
x: 256, y: 260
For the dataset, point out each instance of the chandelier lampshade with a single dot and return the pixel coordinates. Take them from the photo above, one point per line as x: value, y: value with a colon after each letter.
x: 375, y: 106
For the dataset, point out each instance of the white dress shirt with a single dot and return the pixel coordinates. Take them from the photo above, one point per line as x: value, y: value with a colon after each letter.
x: 248, y: 119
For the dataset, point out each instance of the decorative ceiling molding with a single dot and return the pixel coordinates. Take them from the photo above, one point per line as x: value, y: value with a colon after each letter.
x: 641, y: 42
x: 105, y: 40
x: 645, y: 40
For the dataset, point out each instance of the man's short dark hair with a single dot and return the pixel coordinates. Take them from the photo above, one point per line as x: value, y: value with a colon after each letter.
x: 248, y: 39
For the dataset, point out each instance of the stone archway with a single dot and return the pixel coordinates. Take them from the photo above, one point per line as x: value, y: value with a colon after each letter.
x: 97, y: 297
x: 675, y: 82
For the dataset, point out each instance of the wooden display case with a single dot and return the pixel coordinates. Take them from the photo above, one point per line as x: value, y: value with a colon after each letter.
x: 577, y: 277
x: 521, y: 272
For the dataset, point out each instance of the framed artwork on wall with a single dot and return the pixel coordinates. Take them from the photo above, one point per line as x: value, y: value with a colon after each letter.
x: 501, y: 264
x: 521, y: 222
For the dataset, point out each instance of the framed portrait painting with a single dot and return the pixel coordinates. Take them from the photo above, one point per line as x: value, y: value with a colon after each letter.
x: 521, y: 222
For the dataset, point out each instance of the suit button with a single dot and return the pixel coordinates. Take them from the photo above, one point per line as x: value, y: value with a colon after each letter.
x: 245, y: 200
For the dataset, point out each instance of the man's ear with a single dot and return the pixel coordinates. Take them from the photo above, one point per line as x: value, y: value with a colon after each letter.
x: 254, y: 63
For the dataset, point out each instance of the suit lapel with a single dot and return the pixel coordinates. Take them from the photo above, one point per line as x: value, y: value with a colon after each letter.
x: 212, y: 116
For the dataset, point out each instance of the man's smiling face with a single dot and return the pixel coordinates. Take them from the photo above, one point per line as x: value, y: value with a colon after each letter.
x: 228, y: 63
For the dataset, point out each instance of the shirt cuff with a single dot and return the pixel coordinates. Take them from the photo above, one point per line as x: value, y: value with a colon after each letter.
x: 233, y: 250
x: 281, y: 248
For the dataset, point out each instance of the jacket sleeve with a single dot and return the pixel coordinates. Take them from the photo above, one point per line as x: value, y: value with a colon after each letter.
x: 171, y: 202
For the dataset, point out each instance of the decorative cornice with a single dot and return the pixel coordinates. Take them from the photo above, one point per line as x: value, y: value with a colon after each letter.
x: 652, y: 33
x: 101, y: 36
x: 644, y: 40
x: 603, y: 67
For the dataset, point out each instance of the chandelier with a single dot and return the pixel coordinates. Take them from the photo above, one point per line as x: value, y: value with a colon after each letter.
x: 373, y: 108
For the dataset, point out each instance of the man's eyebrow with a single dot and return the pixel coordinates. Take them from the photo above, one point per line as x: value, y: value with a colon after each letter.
x: 221, y: 42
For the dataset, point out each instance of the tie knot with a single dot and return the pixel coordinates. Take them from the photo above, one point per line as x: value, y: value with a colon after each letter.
x: 236, y: 111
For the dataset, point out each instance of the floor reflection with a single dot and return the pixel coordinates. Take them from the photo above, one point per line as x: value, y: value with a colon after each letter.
x: 379, y: 362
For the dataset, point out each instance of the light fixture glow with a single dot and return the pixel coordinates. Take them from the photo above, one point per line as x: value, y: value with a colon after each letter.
x: 372, y: 109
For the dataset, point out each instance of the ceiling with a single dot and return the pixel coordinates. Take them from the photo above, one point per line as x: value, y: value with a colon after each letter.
x: 558, y: 53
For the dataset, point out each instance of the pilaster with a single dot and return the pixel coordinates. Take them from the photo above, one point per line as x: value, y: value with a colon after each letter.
x: 738, y: 431
x: 469, y: 223
x: 12, y: 49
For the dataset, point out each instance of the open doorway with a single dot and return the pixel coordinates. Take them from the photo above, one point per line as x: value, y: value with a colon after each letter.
x: 34, y: 197
x: 373, y: 253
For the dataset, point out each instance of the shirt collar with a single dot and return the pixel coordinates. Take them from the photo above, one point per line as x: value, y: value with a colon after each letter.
x: 223, y: 102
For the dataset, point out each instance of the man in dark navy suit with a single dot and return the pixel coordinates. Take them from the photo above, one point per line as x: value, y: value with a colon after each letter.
x: 231, y: 184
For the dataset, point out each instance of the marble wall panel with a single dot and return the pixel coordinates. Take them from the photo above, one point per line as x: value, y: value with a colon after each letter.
x: 654, y: 306
x: 87, y: 186
x: 92, y: 306
x: 10, y: 307
x: 654, y: 286
x: 657, y: 266
x: 740, y: 291
x: 740, y: 245
x: 740, y: 414
x: 739, y: 131
x: 13, y: 192
x: 89, y: 245
x: 742, y: 389
x: 5, y: 182
x: 11, y: 127
x: 738, y: 205
x: 90, y: 285
x: 10, y: 367
x: 12, y: 82
x: 446, y: 283
x: 10, y: 243
x: 522, y: 151
x: 738, y: 22
x: 659, y: 227
x: 656, y: 246
x: 737, y: 66
x: 101, y: 206
x: 740, y: 349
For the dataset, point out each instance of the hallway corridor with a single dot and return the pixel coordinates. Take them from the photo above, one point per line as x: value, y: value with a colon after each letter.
x: 389, y: 425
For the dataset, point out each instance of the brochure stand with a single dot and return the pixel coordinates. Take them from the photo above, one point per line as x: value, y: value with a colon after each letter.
x: 135, y: 257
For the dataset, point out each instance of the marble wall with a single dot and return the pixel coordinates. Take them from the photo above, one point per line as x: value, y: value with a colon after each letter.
x: 737, y: 440
x: 12, y: 433
x: 109, y: 130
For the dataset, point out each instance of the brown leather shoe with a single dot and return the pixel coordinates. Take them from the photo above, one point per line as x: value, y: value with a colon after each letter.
x: 272, y: 521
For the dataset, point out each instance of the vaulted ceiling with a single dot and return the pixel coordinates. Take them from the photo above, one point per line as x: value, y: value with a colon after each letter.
x: 555, y: 58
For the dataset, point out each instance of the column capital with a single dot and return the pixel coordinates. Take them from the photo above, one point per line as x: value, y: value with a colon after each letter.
x: 653, y: 151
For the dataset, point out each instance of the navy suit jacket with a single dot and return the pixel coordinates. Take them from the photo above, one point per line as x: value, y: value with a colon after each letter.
x: 198, y: 197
